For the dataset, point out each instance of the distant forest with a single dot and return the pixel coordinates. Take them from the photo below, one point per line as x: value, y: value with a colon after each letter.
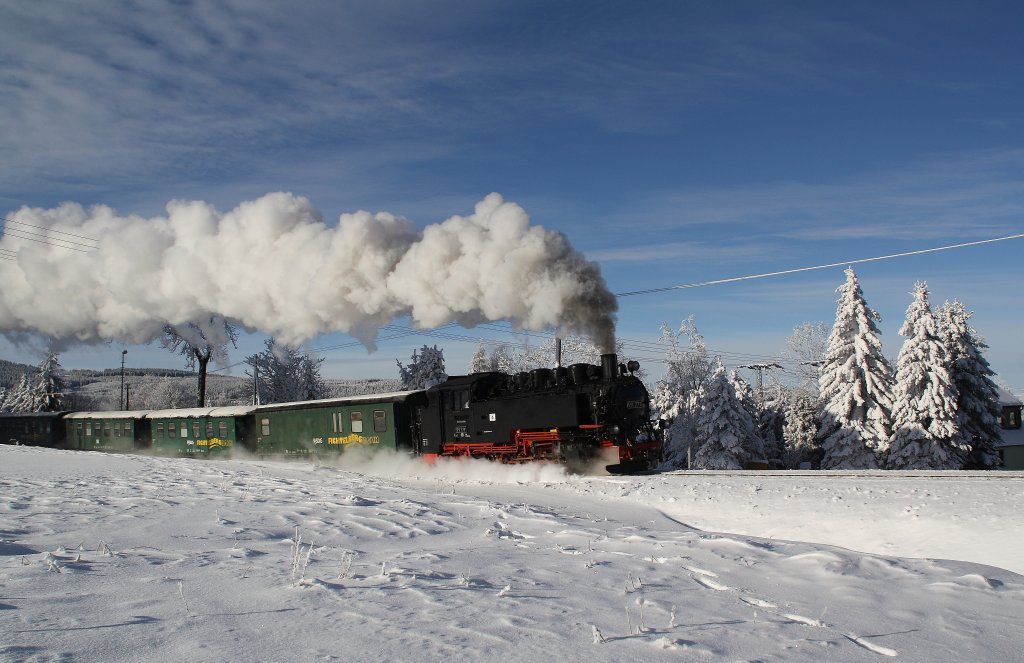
x: 158, y: 388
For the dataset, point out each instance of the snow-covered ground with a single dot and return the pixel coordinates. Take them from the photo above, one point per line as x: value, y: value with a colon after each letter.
x: 131, y: 558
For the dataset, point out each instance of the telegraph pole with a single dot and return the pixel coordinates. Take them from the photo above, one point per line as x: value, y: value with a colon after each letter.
x: 123, y: 354
x: 760, y: 368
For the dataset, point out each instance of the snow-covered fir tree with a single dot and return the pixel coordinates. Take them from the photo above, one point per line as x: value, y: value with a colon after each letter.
x: 425, y: 370
x: 745, y: 393
x: 20, y: 397
x: 50, y: 391
x: 855, y: 386
x: 800, y: 432
x: 479, y: 363
x: 926, y: 435
x: 771, y: 422
x: 977, y: 411
x: 680, y: 391
x: 725, y: 434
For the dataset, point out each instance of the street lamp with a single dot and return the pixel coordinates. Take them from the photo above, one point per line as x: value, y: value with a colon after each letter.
x: 123, y: 353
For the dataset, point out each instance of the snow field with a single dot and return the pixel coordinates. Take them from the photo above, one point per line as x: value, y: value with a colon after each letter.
x: 129, y: 558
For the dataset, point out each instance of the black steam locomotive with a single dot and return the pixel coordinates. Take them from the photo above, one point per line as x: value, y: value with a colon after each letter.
x: 580, y: 415
x: 576, y: 415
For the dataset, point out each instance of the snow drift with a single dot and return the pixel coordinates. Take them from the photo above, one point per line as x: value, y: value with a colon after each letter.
x: 273, y: 265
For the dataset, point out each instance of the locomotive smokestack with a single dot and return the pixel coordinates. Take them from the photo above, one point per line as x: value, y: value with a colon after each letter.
x: 558, y: 352
x: 609, y: 366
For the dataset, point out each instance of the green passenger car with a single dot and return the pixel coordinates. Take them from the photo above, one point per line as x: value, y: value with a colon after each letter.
x: 330, y: 426
x: 199, y: 431
x: 43, y: 429
x: 107, y: 431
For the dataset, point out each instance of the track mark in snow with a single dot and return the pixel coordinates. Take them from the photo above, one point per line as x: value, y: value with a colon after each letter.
x: 808, y: 621
x: 711, y: 584
x: 878, y: 649
x: 703, y: 572
x: 758, y: 603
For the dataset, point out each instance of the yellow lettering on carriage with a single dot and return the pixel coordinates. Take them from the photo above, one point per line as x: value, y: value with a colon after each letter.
x: 353, y: 439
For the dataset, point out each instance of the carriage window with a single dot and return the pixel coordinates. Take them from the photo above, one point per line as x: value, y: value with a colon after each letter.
x: 172, y: 429
x: 106, y: 429
x: 357, y: 422
x: 195, y: 429
x: 338, y: 421
x: 223, y: 426
x: 380, y: 421
x: 265, y: 426
x: 127, y: 428
x: 184, y: 429
x: 209, y: 429
x: 117, y: 429
x: 159, y: 429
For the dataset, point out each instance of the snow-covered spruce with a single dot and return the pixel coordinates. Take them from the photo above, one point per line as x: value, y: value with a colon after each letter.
x: 924, y: 418
x: 45, y: 393
x: 725, y: 434
x: 680, y: 391
x: 855, y: 386
x: 425, y: 370
x: 800, y: 432
x: 977, y: 407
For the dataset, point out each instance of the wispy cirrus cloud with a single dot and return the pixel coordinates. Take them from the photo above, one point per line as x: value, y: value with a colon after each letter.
x: 964, y: 195
x: 144, y: 92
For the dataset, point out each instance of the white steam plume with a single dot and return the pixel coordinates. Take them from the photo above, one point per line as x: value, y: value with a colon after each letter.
x: 271, y: 264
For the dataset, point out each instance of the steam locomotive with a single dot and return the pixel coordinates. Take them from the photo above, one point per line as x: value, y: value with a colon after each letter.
x: 577, y: 415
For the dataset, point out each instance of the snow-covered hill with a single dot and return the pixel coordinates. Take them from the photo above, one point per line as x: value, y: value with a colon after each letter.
x: 130, y: 558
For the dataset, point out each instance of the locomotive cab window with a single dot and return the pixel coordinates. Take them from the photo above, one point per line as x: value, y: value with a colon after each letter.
x: 357, y: 422
x: 380, y: 421
x: 459, y: 400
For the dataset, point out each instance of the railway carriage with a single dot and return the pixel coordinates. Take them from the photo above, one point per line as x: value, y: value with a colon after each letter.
x: 330, y: 426
x: 107, y: 431
x: 200, y: 431
x: 40, y: 429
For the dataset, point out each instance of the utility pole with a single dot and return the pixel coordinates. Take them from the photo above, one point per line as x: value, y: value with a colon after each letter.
x: 760, y: 368
x: 255, y: 380
x: 121, y: 403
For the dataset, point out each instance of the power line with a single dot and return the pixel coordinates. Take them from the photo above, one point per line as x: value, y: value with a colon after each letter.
x: 734, y: 279
x: 49, y: 236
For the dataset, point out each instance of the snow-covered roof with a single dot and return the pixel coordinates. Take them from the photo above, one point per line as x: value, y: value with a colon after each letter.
x: 195, y: 412
x: 346, y: 400
x: 1011, y: 437
x: 108, y: 414
x: 1006, y: 398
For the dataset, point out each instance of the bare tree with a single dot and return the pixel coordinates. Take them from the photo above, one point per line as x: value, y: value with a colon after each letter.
x: 199, y: 342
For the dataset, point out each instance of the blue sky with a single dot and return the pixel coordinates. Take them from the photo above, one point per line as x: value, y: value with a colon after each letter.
x: 672, y: 142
